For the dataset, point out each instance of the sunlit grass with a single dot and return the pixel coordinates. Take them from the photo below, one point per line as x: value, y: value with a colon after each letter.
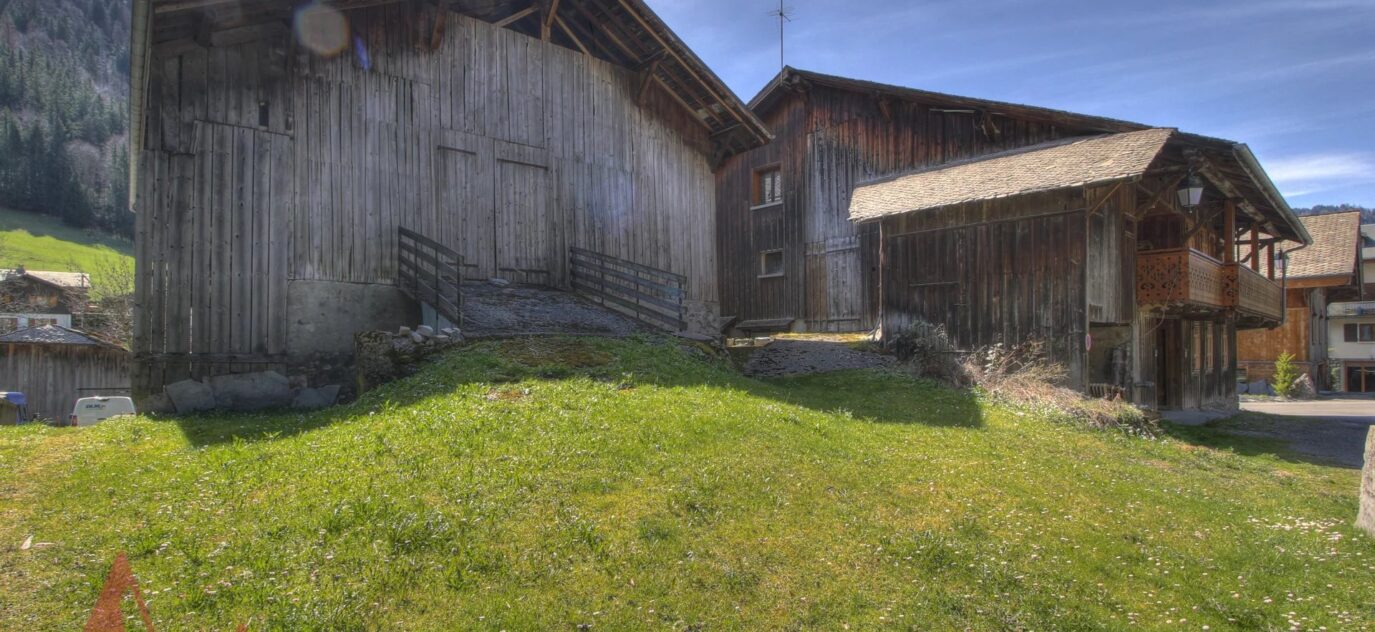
x: 39, y: 242
x: 652, y: 488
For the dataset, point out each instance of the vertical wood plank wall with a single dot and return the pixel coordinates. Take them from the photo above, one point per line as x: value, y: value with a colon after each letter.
x: 827, y: 141
x: 1000, y: 271
x: 266, y: 166
x: 53, y: 376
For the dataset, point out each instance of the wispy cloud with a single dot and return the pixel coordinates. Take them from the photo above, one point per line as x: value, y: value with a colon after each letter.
x: 1307, y: 174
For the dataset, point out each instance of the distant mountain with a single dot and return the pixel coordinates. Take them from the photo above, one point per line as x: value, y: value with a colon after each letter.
x: 1367, y: 214
x: 64, y: 94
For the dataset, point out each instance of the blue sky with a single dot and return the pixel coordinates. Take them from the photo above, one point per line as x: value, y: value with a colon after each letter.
x: 1294, y: 79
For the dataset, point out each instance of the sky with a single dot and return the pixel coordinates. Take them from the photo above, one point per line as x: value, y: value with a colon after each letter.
x: 1293, y: 79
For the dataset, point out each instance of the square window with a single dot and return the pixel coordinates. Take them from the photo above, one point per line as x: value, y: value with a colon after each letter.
x: 768, y: 186
x: 771, y: 263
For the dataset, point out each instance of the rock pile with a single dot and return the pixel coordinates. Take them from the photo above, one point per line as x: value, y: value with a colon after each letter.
x: 382, y: 356
x: 247, y: 391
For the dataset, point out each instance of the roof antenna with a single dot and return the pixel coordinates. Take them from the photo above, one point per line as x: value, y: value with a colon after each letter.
x: 784, y: 15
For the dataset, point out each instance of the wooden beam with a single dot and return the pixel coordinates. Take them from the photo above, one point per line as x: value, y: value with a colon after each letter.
x: 514, y: 17
x: 551, y: 13
x: 1270, y: 260
x: 1255, y: 248
x: 1229, y: 231
x: 569, y: 32
x: 1099, y: 206
x: 646, y: 77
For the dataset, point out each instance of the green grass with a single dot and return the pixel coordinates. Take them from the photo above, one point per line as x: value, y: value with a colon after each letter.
x: 39, y: 242
x: 630, y: 485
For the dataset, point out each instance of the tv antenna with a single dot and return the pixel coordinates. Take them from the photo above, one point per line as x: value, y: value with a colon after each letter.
x: 784, y: 15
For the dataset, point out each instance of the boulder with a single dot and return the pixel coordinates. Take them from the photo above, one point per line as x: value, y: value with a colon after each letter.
x: 403, y: 332
x: 1259, y: 387
x: 1365, y: 518
x: 1243, y: 388
x: 417, y: 338
x: 499, y: 282
x: 425, y: 330
x: 453, y: 333
x: 251, y: 391
x: 316, y: 398
x: 190, y: 396
x: 1303, y: 388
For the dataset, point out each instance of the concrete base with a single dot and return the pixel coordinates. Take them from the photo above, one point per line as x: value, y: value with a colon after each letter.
x: 324, y: 315
x: 1365, y: 518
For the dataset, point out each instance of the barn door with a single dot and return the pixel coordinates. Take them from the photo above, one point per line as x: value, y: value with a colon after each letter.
x: 466, y: 215
x: 522, y: 223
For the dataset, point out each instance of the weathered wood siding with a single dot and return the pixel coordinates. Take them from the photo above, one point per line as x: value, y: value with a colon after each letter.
x: 1001, y: 271
x: 827, y: 141
x: 55, y: 376
x: 266, y: 167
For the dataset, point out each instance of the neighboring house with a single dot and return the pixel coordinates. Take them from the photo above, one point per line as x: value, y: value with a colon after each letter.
x: 54, y: 366
x: 33, y: 298
x: 1003, y: 223
x: 274, y: 171
x: 1329, y: 270
x: 1351, y: 330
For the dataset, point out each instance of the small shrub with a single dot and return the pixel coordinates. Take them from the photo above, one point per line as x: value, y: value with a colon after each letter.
x: 926, y: 349
x: 1285, y: 374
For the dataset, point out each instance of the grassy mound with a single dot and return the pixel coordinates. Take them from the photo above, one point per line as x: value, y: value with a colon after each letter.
x: 634, y: 484
x: 39, y: 242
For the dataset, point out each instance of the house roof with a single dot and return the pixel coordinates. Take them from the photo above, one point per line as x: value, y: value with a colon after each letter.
x: 1368, y: 242
x: 57, y: 279
x: 1046, y: 167
x: 624, y: 32
x: 791, y: 77
x: 1335, y: 252
x: 54, y: 335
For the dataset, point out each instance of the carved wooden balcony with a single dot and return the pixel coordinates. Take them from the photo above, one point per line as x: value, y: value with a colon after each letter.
x: 1187, y: 282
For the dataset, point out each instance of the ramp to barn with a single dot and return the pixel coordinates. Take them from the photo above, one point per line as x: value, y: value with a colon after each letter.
x: 493, y: 311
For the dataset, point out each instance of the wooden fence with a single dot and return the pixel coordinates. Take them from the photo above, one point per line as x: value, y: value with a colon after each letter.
x: 651, y: 296
x: 430, y: 273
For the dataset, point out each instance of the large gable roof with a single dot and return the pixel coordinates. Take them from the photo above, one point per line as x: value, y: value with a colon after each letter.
x: 54, y: 335
x: 1334, y: 254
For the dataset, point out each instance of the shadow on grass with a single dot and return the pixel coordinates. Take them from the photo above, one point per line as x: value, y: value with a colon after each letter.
x: 639, y: 360
x: 1327, y: 442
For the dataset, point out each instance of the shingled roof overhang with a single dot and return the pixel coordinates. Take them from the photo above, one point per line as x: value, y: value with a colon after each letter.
x: 623, y: 32
x: 1079, y: 162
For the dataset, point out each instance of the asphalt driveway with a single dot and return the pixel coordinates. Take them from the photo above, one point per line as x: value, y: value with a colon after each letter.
x: 1332, y: 429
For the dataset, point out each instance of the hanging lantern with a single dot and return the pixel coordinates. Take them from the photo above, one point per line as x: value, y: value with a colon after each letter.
x: 1192, y: 192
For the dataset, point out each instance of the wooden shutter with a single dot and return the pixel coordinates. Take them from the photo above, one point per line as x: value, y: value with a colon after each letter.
x: 1349, y: 333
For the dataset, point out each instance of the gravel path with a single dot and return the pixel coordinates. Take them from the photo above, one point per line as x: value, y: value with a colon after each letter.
x: 800, y: 357
x: 489, y: 310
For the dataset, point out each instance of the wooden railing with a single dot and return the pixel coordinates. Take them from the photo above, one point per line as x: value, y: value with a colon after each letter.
x: 651, y: 296
x: 428, y: 272
x: 1255, y: 294
x: 1187, y: 279
x: 1180, y: 276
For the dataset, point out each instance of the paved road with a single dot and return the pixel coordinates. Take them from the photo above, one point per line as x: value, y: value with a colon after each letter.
x: 1331, y: 429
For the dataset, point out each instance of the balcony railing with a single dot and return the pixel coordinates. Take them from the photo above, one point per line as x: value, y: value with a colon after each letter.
x: 1179, y: 277
x: 1187, y: 280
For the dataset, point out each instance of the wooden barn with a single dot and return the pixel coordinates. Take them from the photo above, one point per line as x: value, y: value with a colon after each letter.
x: 302, y: 167
x: 1121, y: 251
x: 1326, y: 272
x: 54, y: 366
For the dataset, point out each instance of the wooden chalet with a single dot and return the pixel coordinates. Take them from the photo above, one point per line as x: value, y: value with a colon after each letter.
x: 54, y: 366
x: 1328, y: 271
x: 878, y: 205
x: 300, y: 167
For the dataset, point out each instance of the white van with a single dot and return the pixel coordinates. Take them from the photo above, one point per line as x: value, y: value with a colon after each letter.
x: 90, y: 411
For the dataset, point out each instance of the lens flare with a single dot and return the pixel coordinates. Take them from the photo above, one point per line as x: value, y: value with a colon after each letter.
x: 322, y: 29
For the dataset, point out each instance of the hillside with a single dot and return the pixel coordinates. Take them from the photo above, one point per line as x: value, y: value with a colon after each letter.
x: 556, y: 484
x: 44, y: 243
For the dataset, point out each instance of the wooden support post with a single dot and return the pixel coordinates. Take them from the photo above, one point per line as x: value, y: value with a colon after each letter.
x: 1229, y: 231
x: 1255, y: 248
x: 1270, y: 260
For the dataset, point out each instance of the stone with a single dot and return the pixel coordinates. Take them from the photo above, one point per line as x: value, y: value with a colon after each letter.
x: 190, y: 396
x: 1259, y: 387
x: 403, y: 332
x: 425, y: 330
x: 417, y: 338
x: 1243, y: 388
x: 299, y: 382
x: 442, y: 339
x: 499, y: 282
x: 316, y: 398
x: 1365, y: 517
x: 1303, y: 388
x: 251, y: 391
x: 158, y: 403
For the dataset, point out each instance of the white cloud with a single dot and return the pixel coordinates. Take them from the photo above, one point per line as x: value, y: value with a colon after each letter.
x: 1322, y: 167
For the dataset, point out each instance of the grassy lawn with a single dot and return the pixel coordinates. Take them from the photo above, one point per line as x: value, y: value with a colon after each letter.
x: 627, y: 485
x: 40, y: 242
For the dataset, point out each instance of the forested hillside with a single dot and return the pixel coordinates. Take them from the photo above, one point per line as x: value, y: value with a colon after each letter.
x: 1367, y: 214
x: 64, y: 90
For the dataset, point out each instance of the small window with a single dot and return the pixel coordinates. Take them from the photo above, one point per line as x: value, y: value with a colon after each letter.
x: 768, y: 186
x: 1359, y: 332
x: 771, y: 263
